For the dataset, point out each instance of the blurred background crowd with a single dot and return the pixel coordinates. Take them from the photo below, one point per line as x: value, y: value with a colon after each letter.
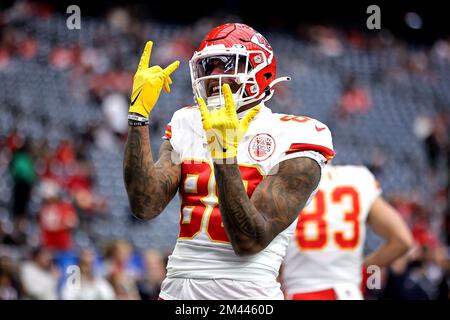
x: 64, y: 98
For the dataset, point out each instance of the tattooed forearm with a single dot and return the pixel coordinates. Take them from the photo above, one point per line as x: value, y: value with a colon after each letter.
x: 238, y: 211
x: 251, y: 224
x: 283, y: 196
x: 150, y: 186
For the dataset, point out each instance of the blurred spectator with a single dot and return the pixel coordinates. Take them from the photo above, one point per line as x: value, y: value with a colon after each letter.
x: 377, y: 161
x: 62, y: 58
x: 418, y: 62
x: 115, y: 108
x: 57, y: 219
x: 430, y: 273
x: 4, y: 58
x: 155, y: 272
x: 436, y: 143
x: 401, y: 284
x: 104, y: 140
x: 354, y: 100
x: 442, y: 49
x: 28, y: 48
x: 118, y: 18
x: 177, y: 48
x: 5, y: 237
x: 92, y: 287
x: 442, y: 256
x: 419, y: 275
x: 327, y: 40
x: 39, y: 276
x: 405, y: 206
x: 9, y: 286
x: 23, y: 173
x: 446, y: 222
x: 79, y: 185
x: 17, y: 237
x: 65, y: 153
x: 55, y: 165
x: 118, y: 270
x: 13, y: 141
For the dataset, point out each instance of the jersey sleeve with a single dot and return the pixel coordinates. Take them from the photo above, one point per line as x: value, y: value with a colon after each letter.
x: 310, y: 139
x: 173, y: 132
x: 168, y: 132
x: 314, y: 136
x: 184, y: 128
x: 372, y: 185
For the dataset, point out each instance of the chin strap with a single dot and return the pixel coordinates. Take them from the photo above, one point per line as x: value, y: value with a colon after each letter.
x: 272, y: 84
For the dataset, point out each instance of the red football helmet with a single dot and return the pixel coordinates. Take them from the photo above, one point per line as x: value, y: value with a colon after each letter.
x: 244, y: 54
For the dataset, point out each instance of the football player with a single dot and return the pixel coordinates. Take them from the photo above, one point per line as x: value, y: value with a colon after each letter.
x: 242, y: 171
x: 325, y: 257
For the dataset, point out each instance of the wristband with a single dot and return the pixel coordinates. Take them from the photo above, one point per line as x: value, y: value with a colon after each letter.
x: 135, y: 120
x: 132, y: 123
x: 136, y: 117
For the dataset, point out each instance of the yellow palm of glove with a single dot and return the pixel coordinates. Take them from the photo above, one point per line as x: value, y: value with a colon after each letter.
x: 223, y: 129
x: 148, y: 82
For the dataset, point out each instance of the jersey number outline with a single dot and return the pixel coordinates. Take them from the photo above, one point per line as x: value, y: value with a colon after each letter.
x: 200, y: 198
x: 299, y: 119
x: 317, y: 216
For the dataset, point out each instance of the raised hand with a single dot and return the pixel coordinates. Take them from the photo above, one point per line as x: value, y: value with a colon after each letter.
x: 148, y: 82
x: 223, y: 129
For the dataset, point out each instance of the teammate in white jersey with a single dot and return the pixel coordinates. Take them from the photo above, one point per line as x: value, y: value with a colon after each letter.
x: 242, y: 172
x: 325, y: 257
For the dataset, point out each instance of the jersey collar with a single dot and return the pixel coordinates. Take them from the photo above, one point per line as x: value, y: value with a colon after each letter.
x: 263, y: 110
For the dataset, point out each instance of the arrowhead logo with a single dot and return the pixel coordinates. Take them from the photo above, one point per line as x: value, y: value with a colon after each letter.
x: 261, y: 147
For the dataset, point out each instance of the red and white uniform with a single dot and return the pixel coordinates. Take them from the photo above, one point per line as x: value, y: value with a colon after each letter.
x: 203, y: 251
x: 324, y: 259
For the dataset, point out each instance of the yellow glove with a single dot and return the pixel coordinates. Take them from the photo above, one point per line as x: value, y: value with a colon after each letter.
x: 148, y: 82
x: 223, y: 129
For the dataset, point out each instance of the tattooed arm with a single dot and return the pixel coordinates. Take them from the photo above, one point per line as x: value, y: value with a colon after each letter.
x: 150, y: 186
x: 251, y: 224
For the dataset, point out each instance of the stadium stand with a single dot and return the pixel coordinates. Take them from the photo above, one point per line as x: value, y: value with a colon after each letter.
x: 65, y: 92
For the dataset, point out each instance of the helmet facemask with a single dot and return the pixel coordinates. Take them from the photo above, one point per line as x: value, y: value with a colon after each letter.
x: 236, y: 65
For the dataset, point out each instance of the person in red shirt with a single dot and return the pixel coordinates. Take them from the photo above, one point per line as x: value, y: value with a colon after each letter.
x: 354, y: 100
x: 57, y: 218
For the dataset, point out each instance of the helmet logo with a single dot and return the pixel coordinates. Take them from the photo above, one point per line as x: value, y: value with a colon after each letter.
x: 261, y: 147
x: 259, y: 40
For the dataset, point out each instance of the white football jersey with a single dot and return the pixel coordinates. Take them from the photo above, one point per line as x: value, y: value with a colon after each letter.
x: 327, y: 248
x: 203, y: 250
